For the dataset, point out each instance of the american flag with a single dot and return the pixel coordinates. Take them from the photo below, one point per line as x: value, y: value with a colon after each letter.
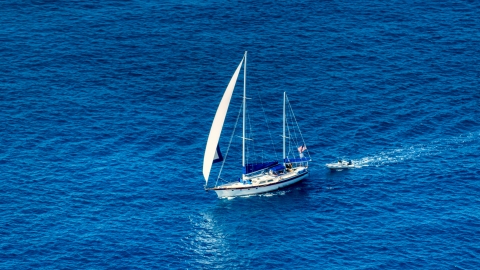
x: 302, y: 148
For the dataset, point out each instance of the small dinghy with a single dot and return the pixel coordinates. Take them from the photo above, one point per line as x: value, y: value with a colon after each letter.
x: 340, y: 165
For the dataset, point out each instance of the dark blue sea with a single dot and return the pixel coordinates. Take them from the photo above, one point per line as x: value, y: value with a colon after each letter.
x: 106, y: 106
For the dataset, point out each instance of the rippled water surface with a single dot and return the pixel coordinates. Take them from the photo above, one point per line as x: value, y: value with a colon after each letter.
x: 106, y: 109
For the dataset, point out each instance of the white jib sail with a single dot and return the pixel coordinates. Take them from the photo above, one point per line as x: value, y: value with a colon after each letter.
x: 217, y: 125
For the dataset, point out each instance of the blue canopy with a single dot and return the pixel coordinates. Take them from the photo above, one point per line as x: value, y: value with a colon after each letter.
x: 253, y: 167
x: 297, y: 160
x: 279, y: 167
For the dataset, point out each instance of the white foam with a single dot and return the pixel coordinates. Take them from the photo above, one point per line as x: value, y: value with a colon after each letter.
x: 268, y: 194
x: 413, y: 152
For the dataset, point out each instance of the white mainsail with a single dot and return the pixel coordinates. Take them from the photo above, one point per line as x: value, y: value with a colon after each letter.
x: 217, y: 125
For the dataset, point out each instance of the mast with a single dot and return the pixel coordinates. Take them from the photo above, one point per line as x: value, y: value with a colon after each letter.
x: 284, y: 98
x: 244, y: 106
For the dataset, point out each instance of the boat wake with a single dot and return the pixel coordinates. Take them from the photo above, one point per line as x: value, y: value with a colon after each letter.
x: 277, y: 193
x: 267, y: 194
x: 414, y: 152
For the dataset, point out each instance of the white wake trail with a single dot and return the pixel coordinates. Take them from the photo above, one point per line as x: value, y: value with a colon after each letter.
x: 414, y: 152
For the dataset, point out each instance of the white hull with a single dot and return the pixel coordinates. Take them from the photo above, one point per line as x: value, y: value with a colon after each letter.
x: 340, y: 166
x: 257, y: 189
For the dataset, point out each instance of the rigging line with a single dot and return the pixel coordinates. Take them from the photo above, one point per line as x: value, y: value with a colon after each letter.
x: 297, y: 140
x: 290, y: 139
x: 230, y: 143
x: 294, y: 131
x: 268, y: 126
x: 294, y: 138
x: 247, y: 144
x: 301, y: 135
x: 224, y: 181
x: 287, y: 127
x: 290, y: 115
x: 251, y: 136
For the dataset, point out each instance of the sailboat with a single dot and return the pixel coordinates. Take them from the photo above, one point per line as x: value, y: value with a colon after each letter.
x: 258, y: 177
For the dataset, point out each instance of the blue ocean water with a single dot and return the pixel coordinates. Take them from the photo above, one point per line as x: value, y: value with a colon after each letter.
x: 106, y: 108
